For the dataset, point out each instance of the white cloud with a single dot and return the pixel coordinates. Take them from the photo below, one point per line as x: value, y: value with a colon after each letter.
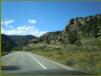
x: 21, y: 30
x: 24, y: 30
x: 32, y: 21
x: 1, y: 22
x: 7, y: 22
x: 11, y: 27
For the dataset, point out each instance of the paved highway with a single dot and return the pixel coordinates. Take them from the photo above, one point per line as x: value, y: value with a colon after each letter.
x: 28, y: 64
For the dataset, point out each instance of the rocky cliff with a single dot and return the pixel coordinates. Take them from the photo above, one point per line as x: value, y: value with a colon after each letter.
x: 89, y: 26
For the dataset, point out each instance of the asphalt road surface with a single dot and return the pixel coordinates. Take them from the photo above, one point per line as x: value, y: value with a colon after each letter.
x: 28, y: 64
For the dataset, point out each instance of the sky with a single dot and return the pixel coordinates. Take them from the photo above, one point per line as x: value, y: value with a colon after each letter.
x: 37, y: 18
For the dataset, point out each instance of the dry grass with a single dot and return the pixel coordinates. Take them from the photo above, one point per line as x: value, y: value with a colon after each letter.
x: 86, y: 57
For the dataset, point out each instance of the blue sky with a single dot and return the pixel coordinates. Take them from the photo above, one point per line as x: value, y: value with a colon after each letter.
x: 37, y: 18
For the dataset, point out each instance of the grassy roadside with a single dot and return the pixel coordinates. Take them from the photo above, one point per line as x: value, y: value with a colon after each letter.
x: 86, y: 57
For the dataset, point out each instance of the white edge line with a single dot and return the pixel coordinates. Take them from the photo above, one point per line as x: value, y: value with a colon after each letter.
x: 58, y: 64
x: 39, y: 62
x: 62, y: 65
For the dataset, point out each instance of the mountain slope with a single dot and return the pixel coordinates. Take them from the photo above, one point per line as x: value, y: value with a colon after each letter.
x: 77, y: 28
x: 78, y: 45
x: 11, y: 42
x: 22, y: 40
x: 7, y: 43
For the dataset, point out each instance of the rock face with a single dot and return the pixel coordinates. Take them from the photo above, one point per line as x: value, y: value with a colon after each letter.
x: 51, y: 37
x: 79, y: 22
x: 89, y: 26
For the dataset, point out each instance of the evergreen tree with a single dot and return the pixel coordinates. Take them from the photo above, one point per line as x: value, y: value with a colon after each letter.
x: 72, y: 37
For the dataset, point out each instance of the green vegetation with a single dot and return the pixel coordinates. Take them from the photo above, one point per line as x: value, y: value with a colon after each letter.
x: 86, y: 57
x: 14, y: 42
x: 78, y: 45
x: 72, y: 37
x: 7, y: 44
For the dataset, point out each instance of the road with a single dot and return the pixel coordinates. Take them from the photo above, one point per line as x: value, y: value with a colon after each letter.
x: 27, y: 64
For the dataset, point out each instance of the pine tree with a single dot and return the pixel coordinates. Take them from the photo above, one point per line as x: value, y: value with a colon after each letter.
x: 72, y: 37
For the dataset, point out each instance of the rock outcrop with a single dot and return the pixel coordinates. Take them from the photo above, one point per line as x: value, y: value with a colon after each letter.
x: 85, y: 26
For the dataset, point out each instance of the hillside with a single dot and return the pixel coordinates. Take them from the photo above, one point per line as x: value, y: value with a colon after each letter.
x: 76, y: 28
x: 22, y: 40
x: 7, y: 44
x: 14, y: 42
x: 78, y: 45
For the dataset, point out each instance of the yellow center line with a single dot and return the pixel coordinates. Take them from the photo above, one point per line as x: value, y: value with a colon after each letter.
x: 12, y: 60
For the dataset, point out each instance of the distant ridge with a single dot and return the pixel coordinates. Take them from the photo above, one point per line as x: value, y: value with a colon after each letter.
x: 22, y: 40
x: 9, y: 42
